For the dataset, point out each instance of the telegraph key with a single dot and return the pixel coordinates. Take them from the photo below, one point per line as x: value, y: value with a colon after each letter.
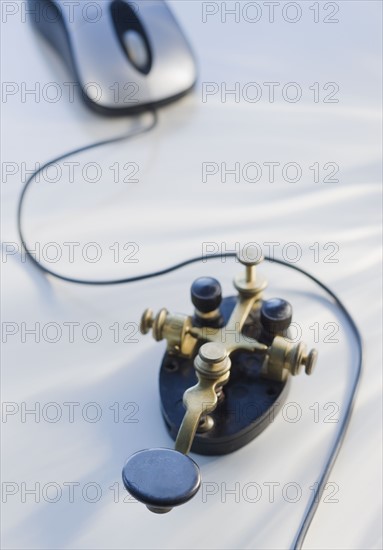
x: 225, y: 374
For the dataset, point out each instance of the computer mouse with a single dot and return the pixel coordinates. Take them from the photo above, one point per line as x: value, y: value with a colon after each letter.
x: 125, y: 57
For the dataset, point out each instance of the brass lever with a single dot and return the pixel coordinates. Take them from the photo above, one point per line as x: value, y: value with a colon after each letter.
x: 164, y: 478
x: 212, y: 366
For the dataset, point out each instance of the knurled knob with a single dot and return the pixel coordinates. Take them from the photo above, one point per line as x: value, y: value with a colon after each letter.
x: 276, y: 315
x: 206, y: 294
x: 212, y: 360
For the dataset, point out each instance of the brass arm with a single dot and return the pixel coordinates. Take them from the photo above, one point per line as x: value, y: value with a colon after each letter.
x: 213, y: 370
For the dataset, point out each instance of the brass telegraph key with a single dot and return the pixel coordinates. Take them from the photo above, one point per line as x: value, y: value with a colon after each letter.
x: 225, y: 374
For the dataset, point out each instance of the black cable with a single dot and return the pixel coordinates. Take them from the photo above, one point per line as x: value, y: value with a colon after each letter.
x: 31, y: 178
x: 335, y: 448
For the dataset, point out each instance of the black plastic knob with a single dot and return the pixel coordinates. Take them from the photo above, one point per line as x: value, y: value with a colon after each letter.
x: 206, y: 294
x: 276, y: 315
x: 161, y: 478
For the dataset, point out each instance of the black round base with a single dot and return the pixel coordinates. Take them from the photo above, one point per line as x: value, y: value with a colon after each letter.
x: 249, y: 405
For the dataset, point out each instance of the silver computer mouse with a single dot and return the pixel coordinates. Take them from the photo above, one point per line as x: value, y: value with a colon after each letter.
x: 125, y: 56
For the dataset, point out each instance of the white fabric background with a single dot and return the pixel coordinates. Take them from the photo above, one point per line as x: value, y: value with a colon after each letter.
x: 170, y: 213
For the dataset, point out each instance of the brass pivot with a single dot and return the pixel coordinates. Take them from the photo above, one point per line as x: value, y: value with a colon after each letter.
x: 175, y: 328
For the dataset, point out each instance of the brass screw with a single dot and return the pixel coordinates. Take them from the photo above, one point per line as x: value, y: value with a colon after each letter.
x: 147, y: 321
x: 249, y: 261
x: 301, y: 358
x: 310, y: 360
x: 212, y: 352
x: 212, y: 360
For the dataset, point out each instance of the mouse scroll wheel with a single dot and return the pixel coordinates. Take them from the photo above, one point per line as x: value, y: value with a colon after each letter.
x: 136, y: 49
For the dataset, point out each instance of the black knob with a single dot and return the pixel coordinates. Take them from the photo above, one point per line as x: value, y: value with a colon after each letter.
x: 276, y: 315
x: 206, y: 294
x: 161, y: 478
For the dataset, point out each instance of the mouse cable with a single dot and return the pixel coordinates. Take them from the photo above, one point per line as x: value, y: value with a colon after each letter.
x: 336, y: 445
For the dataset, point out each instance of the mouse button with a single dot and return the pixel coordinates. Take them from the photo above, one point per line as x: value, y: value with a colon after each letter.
x: 131, y: 35
x: 166, y: 37
x: 136, y: 49
x: 89, y: 13
x: 101, y: 66
x: 93, y: 47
